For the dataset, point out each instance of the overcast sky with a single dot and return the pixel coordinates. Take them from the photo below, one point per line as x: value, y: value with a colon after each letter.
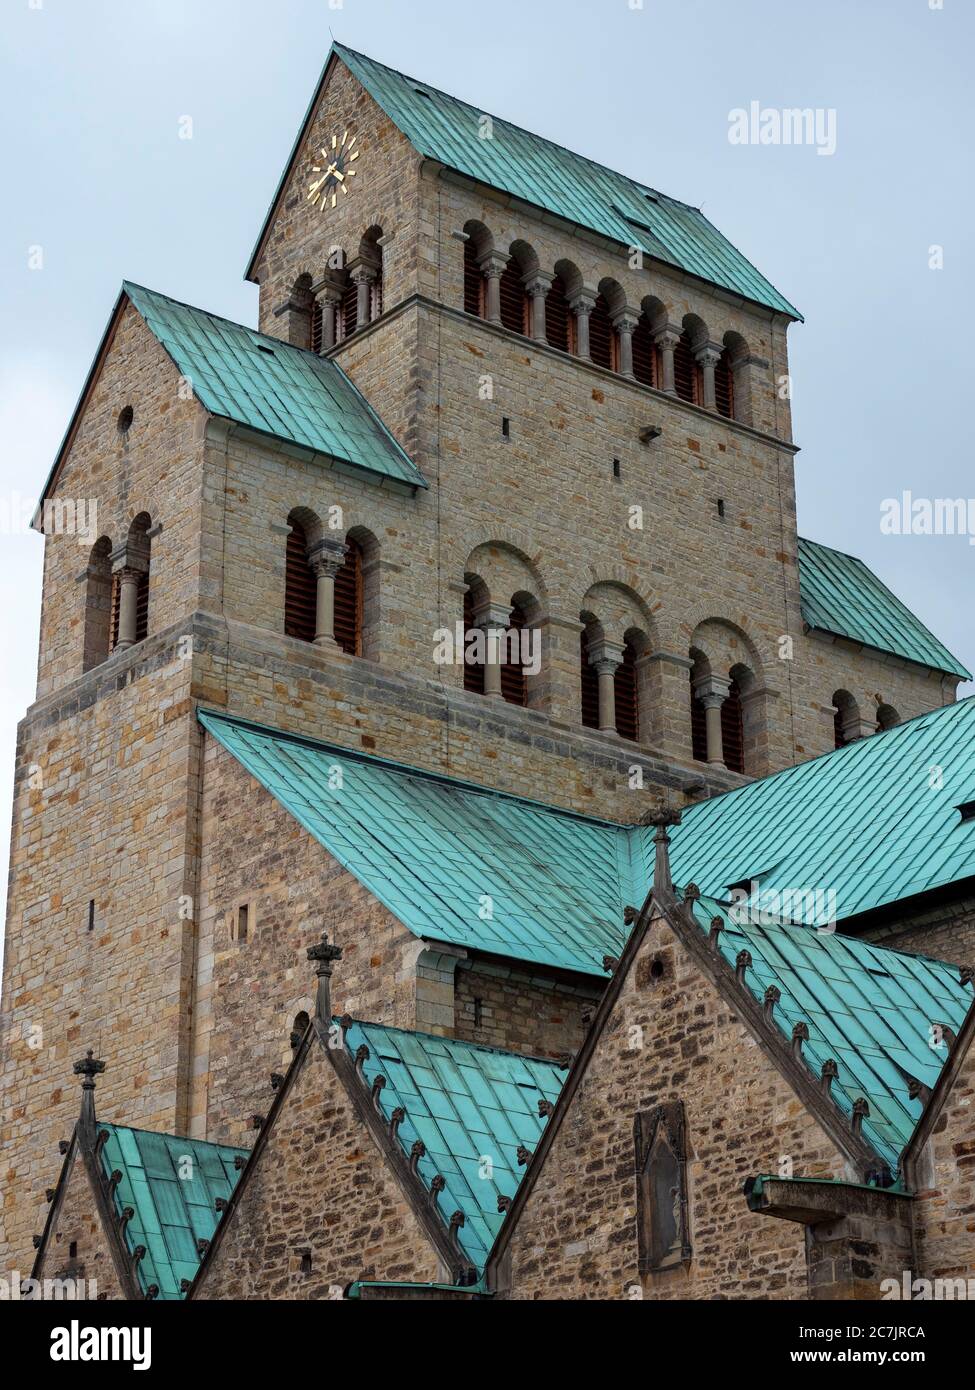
x: 94, y: 94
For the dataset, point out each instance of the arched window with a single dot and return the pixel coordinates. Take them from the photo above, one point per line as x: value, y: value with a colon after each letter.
x: 300, y: 587
x: 348, y: 600
x: 514, y: 683
x: 138, y: 560
x: 473, y: 671
x: 732, y: 732
x: 515, y: 306
x: 370, y: 250
x: 699, y: 733
x: 724, y: 385
x: 845, y: 718
x: 644, y: 353
x: 473, y: 280
x: 98, y: 605
x: 625, y: 693
x: 687, y: 373
x: 590, y: 685
x: 559, y: 319
x: 602, y: 336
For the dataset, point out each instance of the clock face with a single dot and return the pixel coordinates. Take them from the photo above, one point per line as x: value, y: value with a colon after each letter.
x: 334, y: 175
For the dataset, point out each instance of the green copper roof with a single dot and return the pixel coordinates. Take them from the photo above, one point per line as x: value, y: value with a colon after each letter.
x: 840, y: 595
x: 453, y: 862
x: 872, y: 823
x: 869, y: 1009
x: 272, y: 387
x: 172, y: 1186
x: 552, y: 178
x: 471, y: 1107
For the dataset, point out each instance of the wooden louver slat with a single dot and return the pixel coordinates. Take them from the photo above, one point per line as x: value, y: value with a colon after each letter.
x: 590, y: 685
x: 473, y: 281
x: 724, y: 386
x: 350, y: 309
x: 142, y: 608
x: 625, y: 696
x: 559, y: 319
x: 473, y: 672
x: 116, y: 598
x: 686, y: 372
x: 732, y: 732
x: 514, y: 685
x: 699, y: 733
x: 514, y: 300
x: 602, y: 336
x: 300, y: 588
x: 316, y: 326
x: 348, y: 601
x: 644, y: 354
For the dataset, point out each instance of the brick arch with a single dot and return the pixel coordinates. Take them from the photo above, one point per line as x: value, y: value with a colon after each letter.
x: 618, y: 609
x: 762, y: 663
x: 507, y: 555
x: 660, y: 626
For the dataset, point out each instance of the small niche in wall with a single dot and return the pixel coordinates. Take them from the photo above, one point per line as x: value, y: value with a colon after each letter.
x: 241, y: 921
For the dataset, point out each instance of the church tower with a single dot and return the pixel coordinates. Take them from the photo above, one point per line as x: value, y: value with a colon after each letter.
x: 499, y: 396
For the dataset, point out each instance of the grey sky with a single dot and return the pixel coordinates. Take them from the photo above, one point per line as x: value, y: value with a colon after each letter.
x: 96, y: 175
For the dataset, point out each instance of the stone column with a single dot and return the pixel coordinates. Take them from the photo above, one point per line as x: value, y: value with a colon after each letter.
x: 665, y: 341
x: 582, y: 305
x: 707, y: 358
x: 129, y: 564
x: 492, y: 265
x: 326, y: 557
x: 625, y: 323
x: 854, y: 726
x: 606, y: 656
x: 331, y: 300
x: 493, y: 620
x: 712, y: 691
x: 363, y: 276
x: 537, y: 286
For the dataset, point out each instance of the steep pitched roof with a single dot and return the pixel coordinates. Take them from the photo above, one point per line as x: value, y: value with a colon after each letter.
x: 862, y: 825
x: 869, y: 1009
x: 172, y: 1186
x: 546, y: 175
x: 471, y: 1107
x: 272, y: 387
x: 840, y: 595
x: 263, y: 383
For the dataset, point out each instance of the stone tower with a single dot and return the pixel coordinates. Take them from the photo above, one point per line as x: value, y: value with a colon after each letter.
x: 522, y: 392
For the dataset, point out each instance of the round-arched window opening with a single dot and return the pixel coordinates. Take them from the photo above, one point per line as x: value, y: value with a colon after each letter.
x: 125, y: 418
x: 656, y: 969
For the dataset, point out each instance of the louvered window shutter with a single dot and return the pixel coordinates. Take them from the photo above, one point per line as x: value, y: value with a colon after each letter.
x: 316, y: 326
x: 644, y: 354
x: 687, y: 373
x: 839, y: 737
x: 473, y: 673
x: 514, y: 686
x: 116, y: 597
x: 602, y: 336
x: 142, y: 608
x: 732, y: 733
x: 514, y: 300
x: 348, y: 601
x: 625, y: 693
x: 300, y: 589
x: 724, y: 386
x: 558, y: 317
x: 473, y: 282
x: 590, y: 685
x: 699, y: 732
x: 350, y: 309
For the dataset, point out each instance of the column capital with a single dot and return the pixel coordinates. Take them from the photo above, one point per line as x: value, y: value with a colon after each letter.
x: 129, y: 557
x: 537, y: 282
x: 711, y: 690
x: 493, y: 262
x: 605, y: 655
x: 583, y: 301
x: 327, y: 556
x: 626, y: 319
x: 668, y: 337
x: 362, y: 271
x: 487, y: 614
x: 709, y: 354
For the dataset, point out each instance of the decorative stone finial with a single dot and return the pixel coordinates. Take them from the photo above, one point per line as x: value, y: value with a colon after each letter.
x: 661, y: 818
x: 829, y: 1073
x: 717, y: 927
x: 324, y: 953
x: 545, y: 1108
x: 772, y: 997
x: 504, y: 1204
x: 861, y: 1112
x: 742, y: 963
x: 800, y: 1034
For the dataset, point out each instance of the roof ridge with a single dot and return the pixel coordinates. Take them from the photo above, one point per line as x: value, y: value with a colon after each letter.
x: 503, y: 120
x: 221, y: 318
x: 165, y: 1134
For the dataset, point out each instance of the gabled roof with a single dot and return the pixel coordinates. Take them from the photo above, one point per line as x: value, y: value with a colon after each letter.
x: 869, y: 1009
x: 270, y: 386
x: 263, y: 383
x: 873, y: 823
x: 172, y: 1186
x: 840, y: 595
x: 867, y: 825
x: 471, y: 1107
x: 544, y: 174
